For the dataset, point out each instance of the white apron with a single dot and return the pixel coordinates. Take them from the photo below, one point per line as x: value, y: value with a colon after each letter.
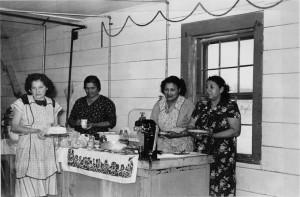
x: 167, y: 122
x: 36, y: 164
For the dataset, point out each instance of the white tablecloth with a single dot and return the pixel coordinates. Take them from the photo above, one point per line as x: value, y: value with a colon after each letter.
x: 103, y: 165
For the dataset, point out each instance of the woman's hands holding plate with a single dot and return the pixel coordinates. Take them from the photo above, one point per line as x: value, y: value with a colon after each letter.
x: 41, y: 134
x: 198, y: 133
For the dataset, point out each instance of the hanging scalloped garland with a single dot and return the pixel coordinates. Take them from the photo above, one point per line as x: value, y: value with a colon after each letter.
x: 176, y: 21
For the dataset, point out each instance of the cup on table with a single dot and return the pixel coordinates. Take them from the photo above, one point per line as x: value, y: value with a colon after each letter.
x: 84, y: 123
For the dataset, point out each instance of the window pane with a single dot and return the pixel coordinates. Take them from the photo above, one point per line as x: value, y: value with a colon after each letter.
x: 213, y: 56
x: 244, y: 141
x: 246, y: 56
x: 245, y: 107
x: 212, y: 73
x: 229, y: 54
x: 230, y: 77
x: 246, y: 79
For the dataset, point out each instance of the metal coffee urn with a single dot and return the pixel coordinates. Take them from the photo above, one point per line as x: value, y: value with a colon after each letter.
x: 147, y: 127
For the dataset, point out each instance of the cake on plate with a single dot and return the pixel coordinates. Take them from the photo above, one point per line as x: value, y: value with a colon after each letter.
x: 56, y: 130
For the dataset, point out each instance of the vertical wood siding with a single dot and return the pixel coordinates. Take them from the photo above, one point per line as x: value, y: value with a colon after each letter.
x: 138, y: 66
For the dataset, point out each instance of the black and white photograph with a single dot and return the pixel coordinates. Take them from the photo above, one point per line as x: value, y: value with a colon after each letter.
x: 150, y: 98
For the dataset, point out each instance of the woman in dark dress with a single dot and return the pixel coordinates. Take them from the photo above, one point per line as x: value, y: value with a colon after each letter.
x: 220, y: 117
x: 99, y: 110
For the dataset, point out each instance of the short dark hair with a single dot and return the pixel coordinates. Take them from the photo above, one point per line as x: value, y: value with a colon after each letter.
x: 44, y: 79
x: 175, y: 80
x: 92, y: 79
x: 225, y: 96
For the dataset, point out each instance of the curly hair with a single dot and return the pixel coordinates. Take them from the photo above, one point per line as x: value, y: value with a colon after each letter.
x: 92, y: 79
x: 175, y: 80
x: 44, y: 79
x: 225, y: 96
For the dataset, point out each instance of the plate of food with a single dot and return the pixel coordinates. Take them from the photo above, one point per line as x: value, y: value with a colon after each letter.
x: 197, y: 131
x: 57, y: 135
x: 57, y: 131
x: 181, y: 153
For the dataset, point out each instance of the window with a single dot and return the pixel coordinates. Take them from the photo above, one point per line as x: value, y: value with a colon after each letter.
x: 230, y: 47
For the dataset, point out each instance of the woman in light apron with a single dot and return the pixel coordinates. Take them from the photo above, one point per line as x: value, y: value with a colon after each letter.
x: 34, y: 113
x: 172, y: 113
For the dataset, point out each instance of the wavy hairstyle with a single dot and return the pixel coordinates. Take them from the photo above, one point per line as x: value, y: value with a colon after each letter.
x: 44, y: 79
x: 92, y: 79
x: 225, y: 96
x: 175, y: 80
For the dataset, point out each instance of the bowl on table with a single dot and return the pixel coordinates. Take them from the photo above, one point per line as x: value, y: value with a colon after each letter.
x: 114, y: 145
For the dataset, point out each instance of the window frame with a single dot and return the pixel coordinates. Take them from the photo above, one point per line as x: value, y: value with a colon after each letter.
x: 190, y: 34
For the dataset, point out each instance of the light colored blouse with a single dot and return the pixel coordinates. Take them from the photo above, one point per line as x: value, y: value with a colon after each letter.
x: 185, y: 113
x: 173, y: 119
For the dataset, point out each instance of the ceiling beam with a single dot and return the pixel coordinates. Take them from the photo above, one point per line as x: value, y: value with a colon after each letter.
x: 6, y: 13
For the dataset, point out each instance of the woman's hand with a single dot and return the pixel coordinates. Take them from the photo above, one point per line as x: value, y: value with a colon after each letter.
x: 89, y: 126
x: 209, y: 133
x: 195, y: 135
x: 198, y: 135
x: 41, y: 134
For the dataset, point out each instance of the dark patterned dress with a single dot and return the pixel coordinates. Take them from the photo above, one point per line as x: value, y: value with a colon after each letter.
x: 101, y: 110
x: 222, y: 171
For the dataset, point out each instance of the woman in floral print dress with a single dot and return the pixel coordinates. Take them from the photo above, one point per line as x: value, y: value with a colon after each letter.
x: 221, y: 118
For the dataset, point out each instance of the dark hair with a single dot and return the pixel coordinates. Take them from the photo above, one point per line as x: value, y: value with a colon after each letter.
x: 175, y: 80
x: 44, y: 79
x: 225, y: 96
x: 92, y: 79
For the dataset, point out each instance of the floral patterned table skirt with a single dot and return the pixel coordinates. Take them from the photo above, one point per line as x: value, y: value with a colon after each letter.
x: 103, y: 165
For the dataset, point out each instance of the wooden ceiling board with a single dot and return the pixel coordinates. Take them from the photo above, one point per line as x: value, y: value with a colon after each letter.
x: 12, y: 26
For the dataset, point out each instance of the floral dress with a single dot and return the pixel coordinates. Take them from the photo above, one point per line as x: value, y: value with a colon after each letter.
x: 101, y: 110
x: 167, y: 121
x: 222, y: 171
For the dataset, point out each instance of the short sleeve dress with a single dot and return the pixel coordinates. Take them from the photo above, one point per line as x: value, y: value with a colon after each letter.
x: 36, y: 164
x: 222, y: 171
x: 101, y: 110
x: 175, y: 120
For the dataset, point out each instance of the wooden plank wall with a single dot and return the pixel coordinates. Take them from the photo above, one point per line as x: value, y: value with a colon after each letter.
x: 138, y: 66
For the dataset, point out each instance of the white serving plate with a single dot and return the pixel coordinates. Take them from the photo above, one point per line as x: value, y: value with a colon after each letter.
x: 163, y: 133
x: 197, y: 131
x: 181, y: 153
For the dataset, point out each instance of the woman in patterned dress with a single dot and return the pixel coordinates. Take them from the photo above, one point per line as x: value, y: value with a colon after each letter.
x: 221, y: 118
x: 99, y: 110
x: 172, y: 114
x: 34, y: 113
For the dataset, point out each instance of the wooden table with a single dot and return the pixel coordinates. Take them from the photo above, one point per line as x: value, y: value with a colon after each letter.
x: 186, y: 175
